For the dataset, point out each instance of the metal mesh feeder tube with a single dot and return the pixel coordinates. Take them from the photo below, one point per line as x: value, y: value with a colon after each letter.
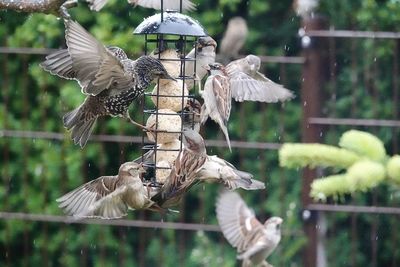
x: 169, y: 36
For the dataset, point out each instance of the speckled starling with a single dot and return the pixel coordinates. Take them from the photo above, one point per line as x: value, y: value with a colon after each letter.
x: 110, y: 79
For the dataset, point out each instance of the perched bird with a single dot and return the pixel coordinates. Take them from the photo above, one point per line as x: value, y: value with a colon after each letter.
x: 234, y: 37
x: 109, y: 197
x: 191, y: 115
x: 107, y: 76
x: 254, y: 241
x: 194, y: 166
x: 217, y: 170
x: 248, y: 84
x: 204, y: 52
x: 183, y: 174
x: 187, y: 5
x: 217, y: 98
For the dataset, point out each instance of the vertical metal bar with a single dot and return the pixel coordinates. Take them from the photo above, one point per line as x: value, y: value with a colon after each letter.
x: 84, y: 171
x: 395, y: 95
x: 332, y: 72
x: 6, y: 150
x: 354, y: 76
x: 375, y: 103
x: 395, y: 142
x: 25, y: 178
x: 354, y: 239
x: 121, y: 230
x: 313, y: 81
x: 45, y: 258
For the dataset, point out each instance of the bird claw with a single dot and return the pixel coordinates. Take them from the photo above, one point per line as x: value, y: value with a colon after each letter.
x: 63, y: 11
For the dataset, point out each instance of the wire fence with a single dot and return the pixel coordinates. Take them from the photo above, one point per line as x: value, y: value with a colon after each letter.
x: 332, y: 118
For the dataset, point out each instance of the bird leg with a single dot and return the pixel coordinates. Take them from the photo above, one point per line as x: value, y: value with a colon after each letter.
x: 128, y: 117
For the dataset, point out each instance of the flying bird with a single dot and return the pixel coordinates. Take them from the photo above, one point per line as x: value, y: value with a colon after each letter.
x: 204, y: 52
x: 217, y: 170
x: 249, y: 84
x: 217, y: 98
x: 234, y: 37
x: 109, y: 197
x: 106, y: 75
x: 253, y: 240
x: 187, y: 5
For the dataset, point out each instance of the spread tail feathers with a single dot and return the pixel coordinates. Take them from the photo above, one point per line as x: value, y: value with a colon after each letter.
x: 80, y: 124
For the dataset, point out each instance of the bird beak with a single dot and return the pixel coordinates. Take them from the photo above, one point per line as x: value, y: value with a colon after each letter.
x: 206, y: 67
x: 141, y: 168
x: 167, y: 76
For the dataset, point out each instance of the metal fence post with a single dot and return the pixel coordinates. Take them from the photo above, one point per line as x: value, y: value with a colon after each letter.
x: 314, y: 75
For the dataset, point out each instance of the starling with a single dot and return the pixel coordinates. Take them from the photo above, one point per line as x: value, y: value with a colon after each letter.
x: 187, y: 5
x: 253, y: 240
x: 205, y: 55
x: 109, y: 197
x: 248, y: 84
x: 217, y: 98
x: 107, y: 76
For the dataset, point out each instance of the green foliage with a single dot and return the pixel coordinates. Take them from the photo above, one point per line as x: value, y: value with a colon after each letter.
x: 35, y: 172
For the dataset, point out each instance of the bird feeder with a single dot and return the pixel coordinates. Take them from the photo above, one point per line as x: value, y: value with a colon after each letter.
x: 169, y: 36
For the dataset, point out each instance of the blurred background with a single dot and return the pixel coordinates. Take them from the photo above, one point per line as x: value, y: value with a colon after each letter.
x: 344, y: 78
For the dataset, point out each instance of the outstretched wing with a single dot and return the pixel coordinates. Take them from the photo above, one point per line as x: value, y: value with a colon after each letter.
x: 251, y: 85
x: 98, y: 198
x: 96, y: 67
x: 236, y: 219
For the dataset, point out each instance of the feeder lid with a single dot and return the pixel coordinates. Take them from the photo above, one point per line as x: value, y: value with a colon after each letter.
x: 173, y: 23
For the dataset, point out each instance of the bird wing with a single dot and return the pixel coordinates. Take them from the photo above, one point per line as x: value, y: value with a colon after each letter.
x: 111, y: 206
x: 96, y: 5
x: 236, y: 219
x: 82, y: 199
x: 59, y: 63
x: 187, y: 5
x: 258, y: 88
x: 97, y: 68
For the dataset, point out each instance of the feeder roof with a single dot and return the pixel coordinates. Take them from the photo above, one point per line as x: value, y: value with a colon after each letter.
x: 173, y: 23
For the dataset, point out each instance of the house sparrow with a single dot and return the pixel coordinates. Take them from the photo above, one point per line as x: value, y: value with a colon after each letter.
x: 234, y: 37
x: 107, y: 76
x: 194, y: 166
x: 187, y: 5
x: 254, y: 241
x: 191, y: 115
x: 183, y: 174
x: 205, y: 55
x: 217, y: 98
x: 109, y: 197
x: 248, y: 84
x: 217, y: 170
